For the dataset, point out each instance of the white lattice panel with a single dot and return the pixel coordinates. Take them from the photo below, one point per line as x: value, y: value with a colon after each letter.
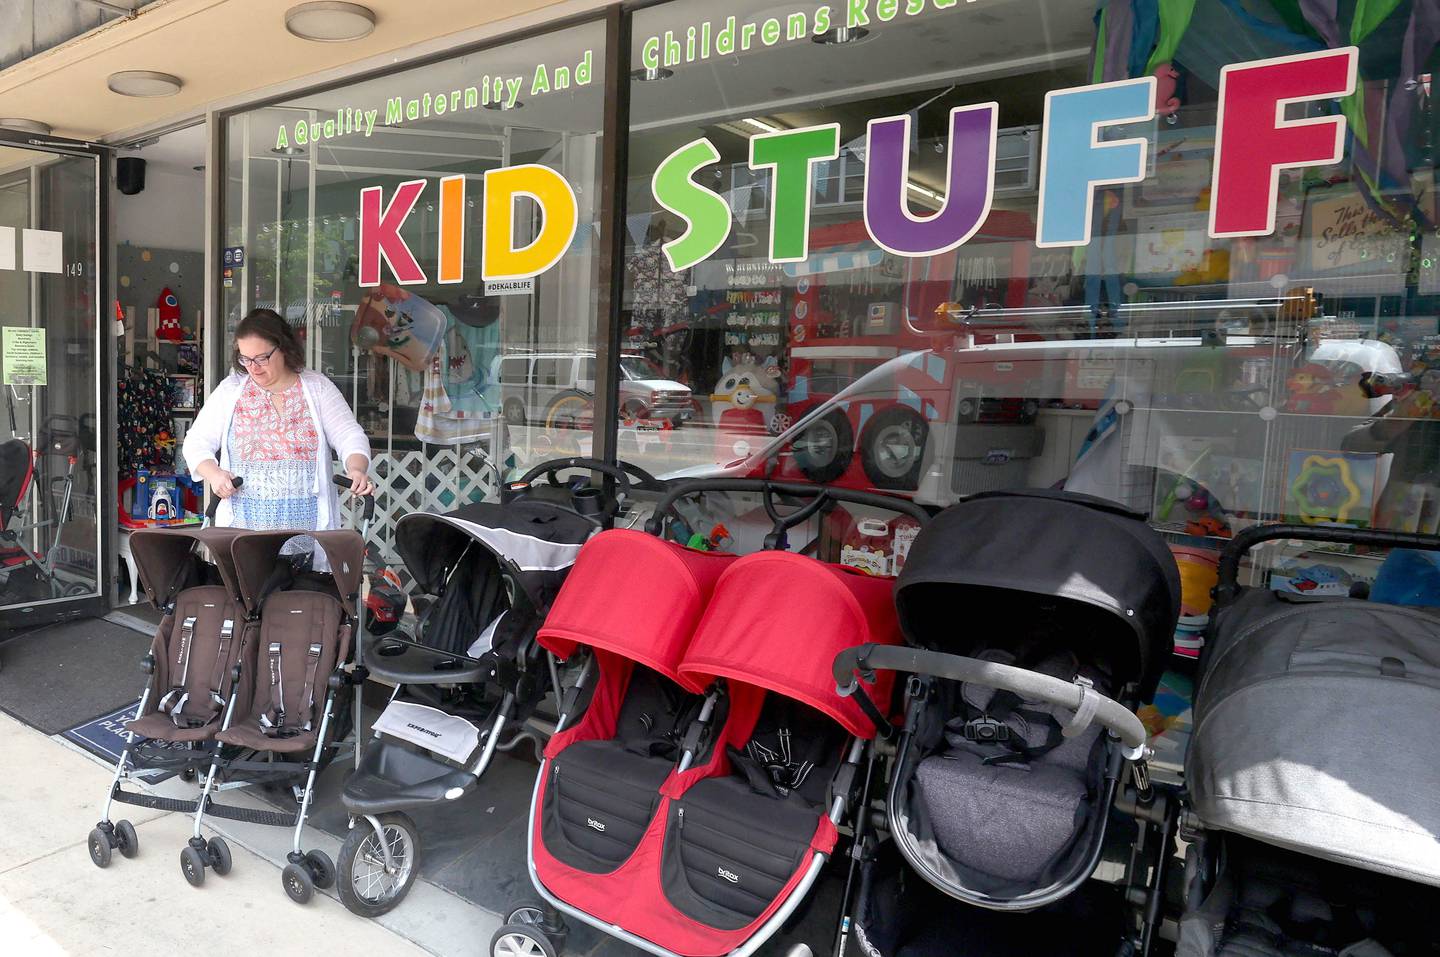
x: 416, y: 482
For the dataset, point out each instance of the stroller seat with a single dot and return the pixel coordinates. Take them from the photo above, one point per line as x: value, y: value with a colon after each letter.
x: 604, y: 793
x: 292, y: 657
x: 1009, y: 809
x: 195, y: 650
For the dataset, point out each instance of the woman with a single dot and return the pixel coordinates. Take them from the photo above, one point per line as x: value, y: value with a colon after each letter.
x: 273, y: 423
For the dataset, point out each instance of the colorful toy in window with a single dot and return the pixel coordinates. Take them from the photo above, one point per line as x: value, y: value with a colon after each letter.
x: 168, y: 326
x: 1315, y: 389
x: 394, y: 323
x: 1330, y: 488
x: 742, y: 403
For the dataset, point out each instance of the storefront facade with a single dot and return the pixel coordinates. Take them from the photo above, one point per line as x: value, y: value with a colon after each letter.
x: 1176, y: 254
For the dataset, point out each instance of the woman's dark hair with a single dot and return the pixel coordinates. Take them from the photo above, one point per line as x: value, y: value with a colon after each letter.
x: 267, y: 325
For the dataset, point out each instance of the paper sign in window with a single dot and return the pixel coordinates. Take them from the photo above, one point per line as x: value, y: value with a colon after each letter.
x: 42, y: 250
x: 7, y: 247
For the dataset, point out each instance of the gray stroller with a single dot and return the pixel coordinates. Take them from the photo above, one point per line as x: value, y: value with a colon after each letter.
x: 1313, y: 825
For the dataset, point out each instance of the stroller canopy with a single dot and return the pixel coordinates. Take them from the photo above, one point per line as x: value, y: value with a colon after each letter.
x: 635, y: 595
x: 16, y: 466
x: 538, y: 541
x: 981, y: 565
x: 163, y: 557
x: 778, y: 620
x: 257, y: 559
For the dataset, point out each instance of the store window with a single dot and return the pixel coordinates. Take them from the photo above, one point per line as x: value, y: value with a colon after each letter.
x: 434, y: 357
x: 870, y: 313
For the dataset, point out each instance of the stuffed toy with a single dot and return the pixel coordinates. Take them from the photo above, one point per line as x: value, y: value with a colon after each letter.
x: 169, y: 325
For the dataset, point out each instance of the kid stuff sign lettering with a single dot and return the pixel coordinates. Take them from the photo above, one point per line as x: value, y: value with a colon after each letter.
x: 1253, y: 143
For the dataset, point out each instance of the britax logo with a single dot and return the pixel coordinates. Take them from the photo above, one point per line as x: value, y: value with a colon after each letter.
x: 730, y: 876
x: 591, y: 822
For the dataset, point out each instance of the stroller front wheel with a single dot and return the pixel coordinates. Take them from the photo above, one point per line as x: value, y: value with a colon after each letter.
x: 322, y: 869
x: 129, y: 840
x: 219, y: 852
x: 521, y: 940
x: 99, y: 846
x: 299, y: 886
x: 367, y: 888
x: 192, y: 865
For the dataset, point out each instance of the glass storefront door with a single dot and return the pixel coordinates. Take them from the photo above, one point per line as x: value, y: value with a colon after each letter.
x: 51, y: 356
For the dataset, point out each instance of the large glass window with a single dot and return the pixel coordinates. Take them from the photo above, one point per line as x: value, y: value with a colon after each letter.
x: 436, y: 370
x: 1208, y: 382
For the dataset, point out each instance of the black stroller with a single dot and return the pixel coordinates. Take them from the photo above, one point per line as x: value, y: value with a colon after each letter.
x: 1313, y: 823
x: 1036, y: 622
x: 469, y: 679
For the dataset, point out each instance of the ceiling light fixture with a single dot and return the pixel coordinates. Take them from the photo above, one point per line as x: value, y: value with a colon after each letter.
x: 841, y: 35
x: 761, y: 125
x: 651, y: 73
x: 143, y: 83
x: 497, y: 105
x: 21, y: 125
x: 929, y: 193
x: 288, y: 151
x: 329, y: 21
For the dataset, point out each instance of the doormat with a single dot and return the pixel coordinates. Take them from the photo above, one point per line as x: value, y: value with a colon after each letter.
x: 105, y: 736
x: 59, y: 676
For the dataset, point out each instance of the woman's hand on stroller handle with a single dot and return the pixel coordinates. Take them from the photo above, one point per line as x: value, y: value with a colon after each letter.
x: 234, y: 482
x: 1077, y: 696
x: 348, y: 482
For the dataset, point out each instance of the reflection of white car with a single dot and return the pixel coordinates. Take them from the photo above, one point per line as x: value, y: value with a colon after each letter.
x: 557, y: 390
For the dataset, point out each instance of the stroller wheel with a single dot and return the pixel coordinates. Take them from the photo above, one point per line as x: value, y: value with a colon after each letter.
x: 219, y: 853
x: 366, y: 888
x: 192, y: 865
x: 322, y: 869
x: 298, y: 884
x: 526, y: 912
x: 129, y: 843
x: 521, y: 940
x: 99, y: 845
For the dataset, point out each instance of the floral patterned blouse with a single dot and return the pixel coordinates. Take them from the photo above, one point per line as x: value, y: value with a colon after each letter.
x: 273, y: 444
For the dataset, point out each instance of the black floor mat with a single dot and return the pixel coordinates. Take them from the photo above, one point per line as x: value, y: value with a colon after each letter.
x: 64, y: 675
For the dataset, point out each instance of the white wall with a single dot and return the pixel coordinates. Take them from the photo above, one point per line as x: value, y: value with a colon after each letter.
x: 169, y: 213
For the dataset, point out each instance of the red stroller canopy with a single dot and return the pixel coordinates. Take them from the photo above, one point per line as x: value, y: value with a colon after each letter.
x: 636, y: 595
x: 778, y: 620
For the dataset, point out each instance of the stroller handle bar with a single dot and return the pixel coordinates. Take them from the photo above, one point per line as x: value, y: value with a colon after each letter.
x: 215, y: 500
x: 1228, y: 588
x: 1070, y: 695
x: 344, y: 482
x: 819, y: 495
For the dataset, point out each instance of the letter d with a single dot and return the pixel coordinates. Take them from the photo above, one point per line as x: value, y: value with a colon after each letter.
x: 499, y: 258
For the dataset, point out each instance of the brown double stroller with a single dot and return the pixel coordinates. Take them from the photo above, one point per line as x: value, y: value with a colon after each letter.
x: 245, y: 679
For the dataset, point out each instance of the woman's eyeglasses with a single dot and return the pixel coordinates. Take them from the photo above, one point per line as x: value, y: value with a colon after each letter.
x: 251, y: 362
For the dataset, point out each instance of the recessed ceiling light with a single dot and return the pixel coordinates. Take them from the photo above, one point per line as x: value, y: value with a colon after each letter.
x: 25, y: 126
x: 651, y: 73
x: 330, y: 21
x: 841, y: 35
x: 143, y: 83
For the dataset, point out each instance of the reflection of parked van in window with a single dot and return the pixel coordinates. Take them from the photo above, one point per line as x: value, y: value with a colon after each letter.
x: 557, y: 389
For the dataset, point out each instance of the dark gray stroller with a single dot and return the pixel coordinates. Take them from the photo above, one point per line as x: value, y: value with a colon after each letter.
x: 1037, y: 621
x: 472, y: 673
x: 1313, y: 825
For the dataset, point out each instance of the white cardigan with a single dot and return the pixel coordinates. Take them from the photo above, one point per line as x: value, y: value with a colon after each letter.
x: 335, y: 426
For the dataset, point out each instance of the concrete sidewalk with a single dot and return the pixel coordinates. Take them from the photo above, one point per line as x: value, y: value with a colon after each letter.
x: 54, y: 900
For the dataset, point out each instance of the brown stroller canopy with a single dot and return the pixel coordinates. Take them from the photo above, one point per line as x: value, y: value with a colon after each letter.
x: 244, y: 558
x: 161, y: 555
x: 255, y: 555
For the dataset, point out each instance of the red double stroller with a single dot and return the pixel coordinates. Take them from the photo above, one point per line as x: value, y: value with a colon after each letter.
x: 704, y: 761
